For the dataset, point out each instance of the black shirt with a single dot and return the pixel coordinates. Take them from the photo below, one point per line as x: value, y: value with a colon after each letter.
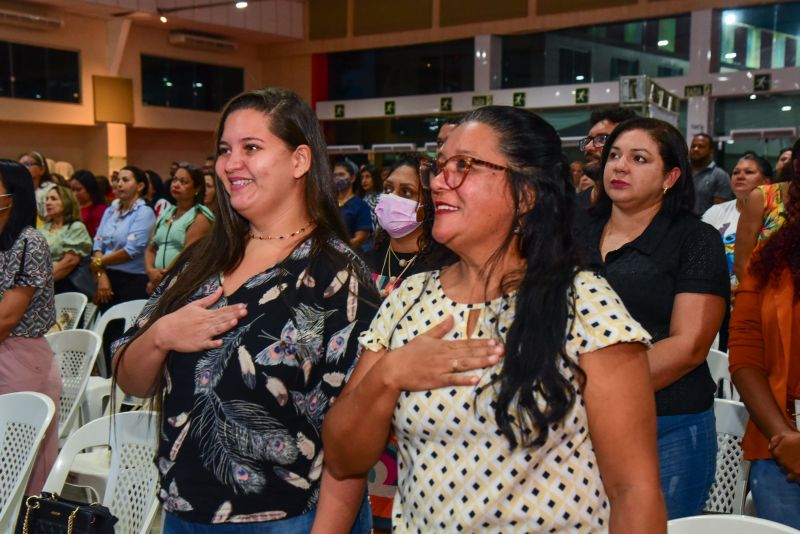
x: 241, y: 424
x: 675, y: 254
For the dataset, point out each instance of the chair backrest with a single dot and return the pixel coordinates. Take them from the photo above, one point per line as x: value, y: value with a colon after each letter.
x: 718, y: 365
x: 729, y: 524
x: 727, y: 493
x: 69, y: 309
x: 24, y: 418
x: 76, y: 352
x: 128, y: 311
x: 133, y: 478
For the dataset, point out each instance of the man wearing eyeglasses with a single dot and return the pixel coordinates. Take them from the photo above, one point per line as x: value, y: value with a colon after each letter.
x: 603, y: 123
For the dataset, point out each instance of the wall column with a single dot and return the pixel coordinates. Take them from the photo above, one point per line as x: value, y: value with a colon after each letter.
x: 488, y: 62
x: 703, y: 58
x: 107, y: 148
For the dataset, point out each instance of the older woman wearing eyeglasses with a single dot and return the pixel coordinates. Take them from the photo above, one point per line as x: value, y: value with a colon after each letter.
x: 556, y: 432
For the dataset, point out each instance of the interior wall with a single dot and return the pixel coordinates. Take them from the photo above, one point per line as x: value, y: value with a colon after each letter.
x: 155, y: 148
x: 58, y: 142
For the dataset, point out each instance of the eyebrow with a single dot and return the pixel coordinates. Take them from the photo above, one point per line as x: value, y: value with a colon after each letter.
x: 615, y: 147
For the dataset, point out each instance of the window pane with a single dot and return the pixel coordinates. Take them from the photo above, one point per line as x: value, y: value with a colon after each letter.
x: 39, y: 73
x: 5, y: 69
x: 184, y: 84
x: 759, y: 37
x: 656, y: 47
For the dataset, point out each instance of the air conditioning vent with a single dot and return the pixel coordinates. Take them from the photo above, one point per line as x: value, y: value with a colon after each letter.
x: 202, y: 42
x: 29, y: 20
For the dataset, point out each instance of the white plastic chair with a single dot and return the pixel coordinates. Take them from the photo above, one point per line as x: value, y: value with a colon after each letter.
x: 76, y: 352
x: 718, y: 365
x: 128, y: 311
x: 727, y: 495
x: 24, y: 418
x: 727, y: 524
x: 69, y: 309
x: 130, y: 492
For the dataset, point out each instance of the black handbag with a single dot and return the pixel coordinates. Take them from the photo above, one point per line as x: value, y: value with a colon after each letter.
x: 51, y: 514
x: 82, y: 279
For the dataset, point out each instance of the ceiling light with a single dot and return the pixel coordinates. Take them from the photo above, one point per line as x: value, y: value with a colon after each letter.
x: 730, y: 55
x: 663, y: 42
x: 163, y: 19
x: 579, y: 78
x: 730, y: 18
x: 241, y: 5
x: 753, y: 97
x: 786, y: 108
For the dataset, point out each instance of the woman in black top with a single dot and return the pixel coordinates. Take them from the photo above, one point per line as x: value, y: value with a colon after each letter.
x: 669, y: 268
x: 249, y: 338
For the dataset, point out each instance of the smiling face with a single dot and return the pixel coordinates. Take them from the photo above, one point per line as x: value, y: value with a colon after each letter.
x: 259, y: 172
x: 127, y: 188
x: 746, y: 176
x: 53, y: 204
x: 479, y: 213
x: 182, y: 187
x: 634, y: 175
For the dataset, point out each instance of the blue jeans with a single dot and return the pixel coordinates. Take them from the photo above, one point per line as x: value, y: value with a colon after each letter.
x: 687, y: 455
x: 300, y: 524
x: 775, y: 498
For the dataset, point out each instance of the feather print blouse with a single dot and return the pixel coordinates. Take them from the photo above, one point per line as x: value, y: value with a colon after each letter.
x: 242, y: 423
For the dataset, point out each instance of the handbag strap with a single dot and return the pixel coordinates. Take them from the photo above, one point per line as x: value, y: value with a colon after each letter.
x: 32, y: 503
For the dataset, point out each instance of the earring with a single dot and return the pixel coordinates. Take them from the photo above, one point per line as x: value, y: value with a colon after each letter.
x: 665, y: 190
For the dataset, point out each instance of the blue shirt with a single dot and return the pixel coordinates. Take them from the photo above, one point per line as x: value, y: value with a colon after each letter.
x: 356, y: 215
x: 129, y: 231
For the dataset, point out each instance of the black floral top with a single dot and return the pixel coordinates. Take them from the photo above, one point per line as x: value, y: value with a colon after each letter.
x: 241, y: 432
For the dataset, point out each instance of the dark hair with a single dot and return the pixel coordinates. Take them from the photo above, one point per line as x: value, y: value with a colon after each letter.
x: 17, y: 181
x: 139, y: 176
x: 89, y: 182
x: 787, y: 173
x: 352, y: 168
x: 763, y: 165
x: 155, y: 181
x: 290, y: 119
x: 705, y: 135
x: 198, y: 179
x: 615, y: 114
x: 674, y: 153
x: 376, y: 180
x: 42, y: 162
x: 535, y: 344
x: 782, y: 249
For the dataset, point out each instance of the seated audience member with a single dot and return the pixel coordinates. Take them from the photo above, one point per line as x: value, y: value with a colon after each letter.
x: 669, y: 269
x: 576, y: 172
x: 784, y: 157
x: 489, y: 443
x: 66, y: 235
x: 40, y: 174
x: 156, y: 197
x: 764, y: 346
x: 27, y: 309
x: 369, y: 187
x: 178, y: 226
x: 90, y: 198
x: 210, y: 195
x: 712, y: 185
x: 355, y: 211
x: 763, y: 214
x: 750, y: 172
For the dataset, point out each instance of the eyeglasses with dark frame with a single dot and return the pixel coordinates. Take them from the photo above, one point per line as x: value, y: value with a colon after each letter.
x: 598, y: 140
x: 455, y: 169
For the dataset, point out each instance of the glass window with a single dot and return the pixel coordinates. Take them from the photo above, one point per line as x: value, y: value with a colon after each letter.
x: 763, y: 37
x: 184, y: 84
x: 445, y: 67
x: 655, y: 47
x: 38, y: 73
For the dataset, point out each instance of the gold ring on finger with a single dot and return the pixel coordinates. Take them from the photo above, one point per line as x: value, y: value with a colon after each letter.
x: 455, y: 365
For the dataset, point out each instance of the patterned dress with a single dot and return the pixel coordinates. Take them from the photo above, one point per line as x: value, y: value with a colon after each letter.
x: 774, y: 210
x: 241, y: 433
x: 456, y: 471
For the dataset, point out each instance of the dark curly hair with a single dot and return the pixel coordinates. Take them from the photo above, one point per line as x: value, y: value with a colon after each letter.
x: 782, y: 250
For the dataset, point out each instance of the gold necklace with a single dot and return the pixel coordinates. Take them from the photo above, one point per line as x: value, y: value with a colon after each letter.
x: 268, y: 237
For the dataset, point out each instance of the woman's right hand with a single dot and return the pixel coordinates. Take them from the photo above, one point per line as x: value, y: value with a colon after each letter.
x: 193, y: 327
x: 785, y: 448
x: 104, y: 291
x: 430, y: 362
x: 154, y: 277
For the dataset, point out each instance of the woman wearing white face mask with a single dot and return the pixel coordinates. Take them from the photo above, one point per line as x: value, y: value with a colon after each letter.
x: 405, y: 213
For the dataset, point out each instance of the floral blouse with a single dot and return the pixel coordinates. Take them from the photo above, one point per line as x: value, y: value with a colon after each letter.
x: 242, y: 423
x: 27, y: 264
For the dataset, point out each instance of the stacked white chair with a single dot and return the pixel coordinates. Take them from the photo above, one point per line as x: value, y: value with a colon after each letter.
x: 718, y: 365
x: 76, y: 352
x: 130, y: 492
x: 69, y: 309
x: 727, y: 495
x: 726, y: 524
x: 24, y: 418
x: 128, y: 311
